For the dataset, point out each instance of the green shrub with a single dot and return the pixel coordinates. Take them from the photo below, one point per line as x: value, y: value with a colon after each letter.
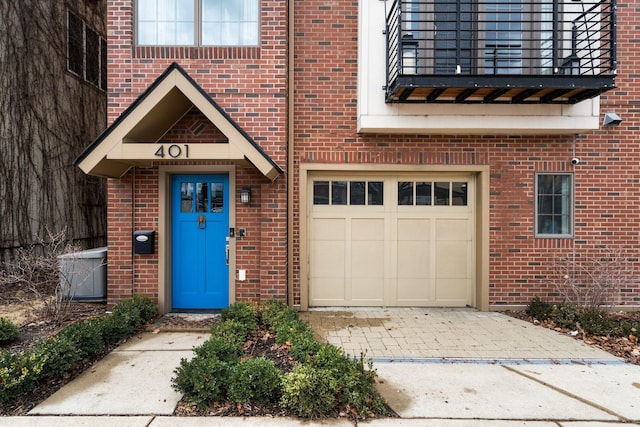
x: 9, y: 331
x: 566, y: 315
x: 112, y: 328
x: 85, y: 336
x: 355, y: 381
x: 630, y: 328
x: 57, y: 355
x: 309, y: 391
x: 597, y: 322
x: 18, y: 373
x: 288, y: 330
x: 255, y: 379
x: 303, y: 346
x: 220, y: 348
x: 202, y: 379
x: 137, y: 310
x: 331, y: 358
x: 539, y: 309
x: 300, y: 336
x: 274, y: 313
x: 358, y: 390
x: 232, y: 330
x: 243, y: 312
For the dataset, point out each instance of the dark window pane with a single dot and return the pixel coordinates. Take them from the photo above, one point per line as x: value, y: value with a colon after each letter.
x: 545, y: 184
x: 356, y: 190
x: 441, y: 193
x: 321, y: 192
x: 75, y: 44
x: 217, y: 197
x: 459, y: 193
x: 103, y: 64
x: 561, y: 185
x: 202, y: 197
x: 186, y: 197
x: 405, y: 193
x: 423, y: 193
x: 545, y: 205
x: 92, y: 50
x: 376, y: 193
x: 338, y: 192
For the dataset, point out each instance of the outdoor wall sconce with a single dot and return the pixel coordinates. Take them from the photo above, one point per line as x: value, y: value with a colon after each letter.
x: 245, y: 195
x: 611, y: 119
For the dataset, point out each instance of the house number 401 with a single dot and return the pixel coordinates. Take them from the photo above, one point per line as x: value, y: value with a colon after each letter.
x: 174, y: 151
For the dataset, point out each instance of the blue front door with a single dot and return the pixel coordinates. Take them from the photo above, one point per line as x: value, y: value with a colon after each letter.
x: 200, y: 254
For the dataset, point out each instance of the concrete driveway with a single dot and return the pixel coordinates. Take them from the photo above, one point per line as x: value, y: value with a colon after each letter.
x: 483, y: 368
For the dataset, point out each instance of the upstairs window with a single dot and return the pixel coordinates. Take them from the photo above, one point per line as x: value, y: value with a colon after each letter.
x: 198, y: 22
x: 470, y: 37
x: 86, y: 52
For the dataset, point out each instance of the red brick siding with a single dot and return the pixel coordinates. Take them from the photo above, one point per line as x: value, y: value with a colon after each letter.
x: 606, y: 181
x: 249, y: 85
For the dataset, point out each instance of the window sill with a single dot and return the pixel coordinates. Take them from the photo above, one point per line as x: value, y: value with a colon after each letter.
x: 195, y: 52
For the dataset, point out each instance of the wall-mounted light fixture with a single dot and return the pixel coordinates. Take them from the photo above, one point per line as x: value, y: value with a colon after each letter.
x: 611, y: 119
x: 245, y: 195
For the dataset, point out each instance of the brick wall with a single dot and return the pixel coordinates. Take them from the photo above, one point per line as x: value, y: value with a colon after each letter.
x: 249, y: 85
x: 606, y: 181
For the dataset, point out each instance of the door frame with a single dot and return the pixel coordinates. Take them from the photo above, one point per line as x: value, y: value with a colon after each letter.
x: 165, y: 173
x: 481, y: 209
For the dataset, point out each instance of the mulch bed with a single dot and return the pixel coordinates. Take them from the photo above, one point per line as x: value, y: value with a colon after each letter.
x: 40, y: 328
x: 627, y: 348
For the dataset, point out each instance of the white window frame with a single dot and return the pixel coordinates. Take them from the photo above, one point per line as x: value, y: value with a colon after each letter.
x: 198, y: 28
x: 571, y: 209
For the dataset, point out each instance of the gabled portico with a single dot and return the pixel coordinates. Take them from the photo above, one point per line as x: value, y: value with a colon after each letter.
x: 134, y: 138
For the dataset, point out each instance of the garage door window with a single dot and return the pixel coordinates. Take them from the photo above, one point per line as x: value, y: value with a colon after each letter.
x: 348, y: 193
x: 422, y: 193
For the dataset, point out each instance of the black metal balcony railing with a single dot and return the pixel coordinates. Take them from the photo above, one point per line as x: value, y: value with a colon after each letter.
x: 500, y: 51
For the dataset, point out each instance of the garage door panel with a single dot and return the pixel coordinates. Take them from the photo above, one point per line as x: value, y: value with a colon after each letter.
x: 414, y: 229
x: 452, y: 292
x: 367, y: 290
x: 452, y: 229
x: 329, y: 259
x: 413, y: 290
x: 329, y: 229
x: 328, y: 291
x: 452, y: 260
x: 367, y: 229
x: 414, y: 259
x: 367, y: 259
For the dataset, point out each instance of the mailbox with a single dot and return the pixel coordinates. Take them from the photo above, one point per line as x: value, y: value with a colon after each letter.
x: 143, y: 242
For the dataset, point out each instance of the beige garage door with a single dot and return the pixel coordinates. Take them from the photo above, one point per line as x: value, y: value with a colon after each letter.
x: 391, y: 241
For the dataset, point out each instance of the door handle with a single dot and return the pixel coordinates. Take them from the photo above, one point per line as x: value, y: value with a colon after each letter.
x: 202, y: 222
x: 226, y: 254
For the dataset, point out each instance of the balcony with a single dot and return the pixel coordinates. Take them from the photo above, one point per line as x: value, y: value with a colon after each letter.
x: 499, y: 51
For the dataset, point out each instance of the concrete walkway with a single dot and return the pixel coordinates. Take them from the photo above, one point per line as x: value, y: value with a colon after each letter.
x: 436, y: 367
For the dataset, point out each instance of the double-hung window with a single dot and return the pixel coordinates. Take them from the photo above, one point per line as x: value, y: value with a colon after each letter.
x: 554, y: 205
x: 198, y: 22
